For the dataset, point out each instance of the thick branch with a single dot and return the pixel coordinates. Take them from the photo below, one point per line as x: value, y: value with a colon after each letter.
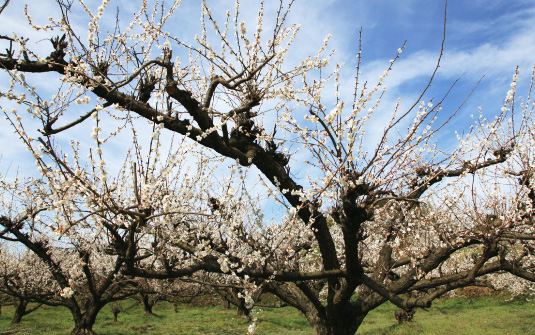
x: 431, y: 177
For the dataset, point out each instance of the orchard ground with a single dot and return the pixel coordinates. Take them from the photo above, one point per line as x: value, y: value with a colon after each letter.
x: 483, y: 315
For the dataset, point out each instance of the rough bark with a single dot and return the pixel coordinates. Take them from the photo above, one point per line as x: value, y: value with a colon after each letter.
x: 84, y: 326
x: 226, y: 304
x: 84, y: 322
x: 334, y: 325
x: 115, y: 309
x: 21, y: 310
x: 230, y: 296
x: 147, y: 304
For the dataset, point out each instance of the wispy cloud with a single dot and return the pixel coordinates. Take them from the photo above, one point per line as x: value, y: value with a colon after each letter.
x: 483, y: 38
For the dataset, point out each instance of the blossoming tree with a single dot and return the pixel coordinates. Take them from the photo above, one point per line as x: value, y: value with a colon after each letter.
x: 78, y: 280
x: 401, y: 216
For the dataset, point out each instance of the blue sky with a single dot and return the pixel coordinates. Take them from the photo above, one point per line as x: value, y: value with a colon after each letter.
x: 484, y: 38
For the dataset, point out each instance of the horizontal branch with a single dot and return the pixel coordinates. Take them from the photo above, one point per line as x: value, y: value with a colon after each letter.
x: 431, y: 177
x: 451, y: 279
x: 518, y: 236
x: 47, y: 131
x: 392, y: 297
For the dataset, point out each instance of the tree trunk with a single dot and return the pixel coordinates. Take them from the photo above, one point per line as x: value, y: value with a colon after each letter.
x: 337, y: 325
x: 226, y: 304
x: 320, y: 327
x: 83, y: 331
x: 330, y: 329
x: 115, y: 309
x: 175, y: 305
x: 242, y: 311
x: 83, y: 324
x: 403, y: 316
x: 20, y: 311
x: 147, y: 306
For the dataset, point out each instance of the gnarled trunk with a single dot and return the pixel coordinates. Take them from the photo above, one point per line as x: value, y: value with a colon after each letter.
x: 402, y: 315
x: 242, y: 310
x: 115, y: 309
x: 232, y: 296
x: 83, y: 331
x: 336, y: 318
x: 21, y: 310
x: 147, y: 304
x: 336, y: 325
x: 83, y: 323
x: 226, y: 304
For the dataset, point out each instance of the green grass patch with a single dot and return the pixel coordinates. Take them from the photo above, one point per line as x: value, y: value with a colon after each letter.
x: 482, y: 316
x: 486, y: 315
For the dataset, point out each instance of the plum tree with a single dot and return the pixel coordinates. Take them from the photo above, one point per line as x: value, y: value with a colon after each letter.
x: 378, y: 218
x: 74, y: 278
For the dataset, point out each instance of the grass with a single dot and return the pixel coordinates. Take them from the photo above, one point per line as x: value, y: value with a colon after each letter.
x: 486, y: 315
